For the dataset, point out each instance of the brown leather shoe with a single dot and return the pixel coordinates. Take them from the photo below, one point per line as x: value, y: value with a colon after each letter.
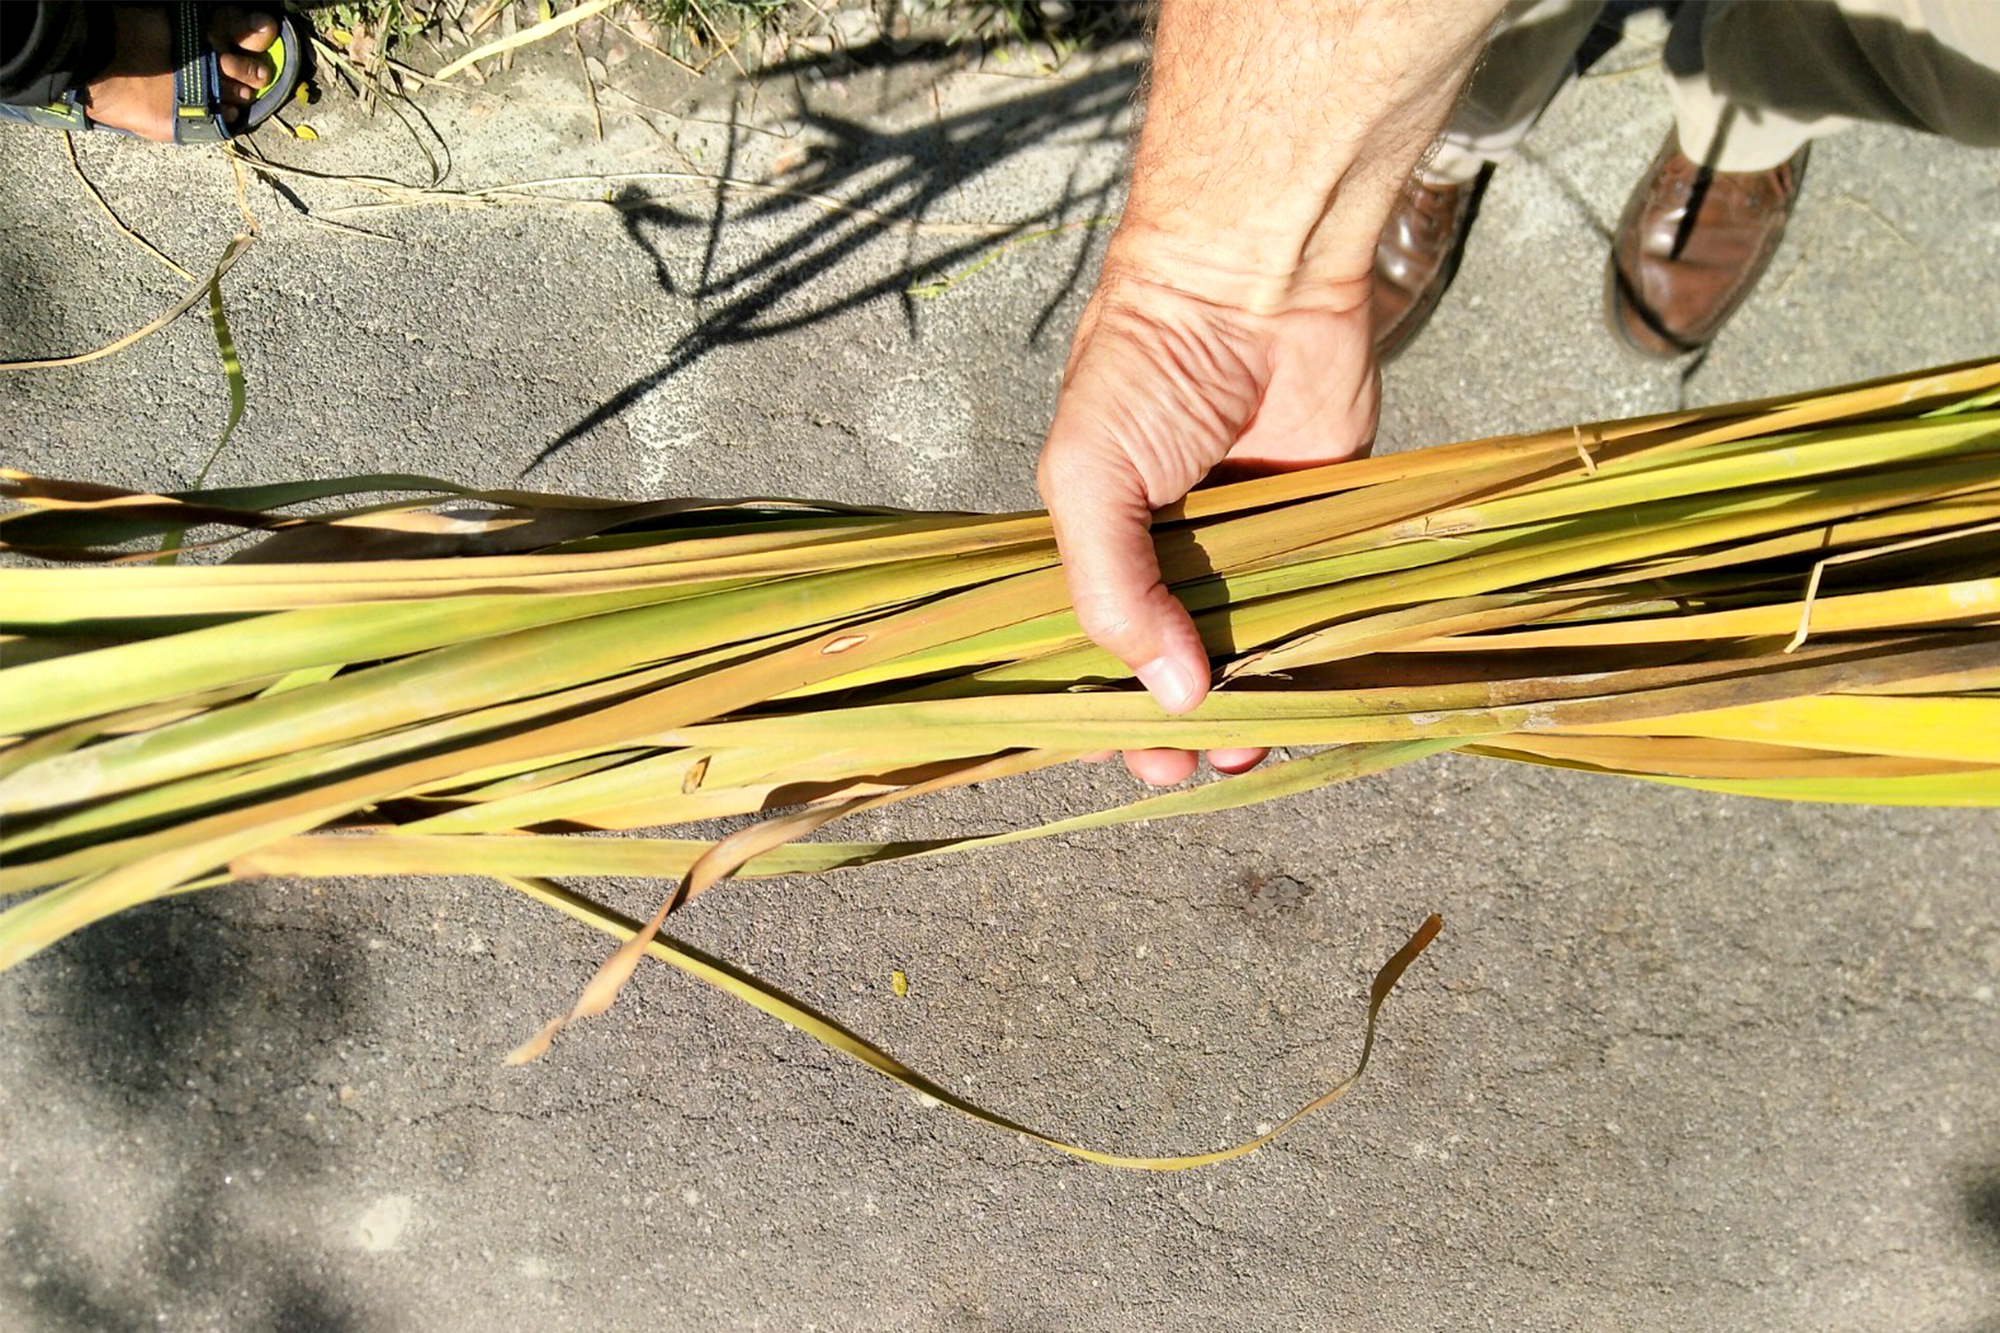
x: 1416, y: 259
x: 1691, y: 246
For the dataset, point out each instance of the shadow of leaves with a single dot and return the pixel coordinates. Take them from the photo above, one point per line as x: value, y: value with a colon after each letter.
x: 887, y: 182
x: 179, y: 1030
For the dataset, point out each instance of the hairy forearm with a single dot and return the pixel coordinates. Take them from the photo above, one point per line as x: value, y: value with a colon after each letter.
x: 1277, y: 135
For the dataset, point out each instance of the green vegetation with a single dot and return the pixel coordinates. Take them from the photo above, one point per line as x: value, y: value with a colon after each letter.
x: 1795, y: 599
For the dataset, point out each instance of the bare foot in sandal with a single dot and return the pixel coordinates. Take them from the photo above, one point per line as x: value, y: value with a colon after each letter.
x: 136, y: 90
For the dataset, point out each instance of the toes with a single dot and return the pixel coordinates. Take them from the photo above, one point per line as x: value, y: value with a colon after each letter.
x: 242, y: 29
x: 252, y: 72
x: 242, y: 93
x: 1235, y: 761
x: 1161, y: 768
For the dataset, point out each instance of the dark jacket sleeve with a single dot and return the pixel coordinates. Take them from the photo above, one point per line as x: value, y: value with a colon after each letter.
x: 48, y: 48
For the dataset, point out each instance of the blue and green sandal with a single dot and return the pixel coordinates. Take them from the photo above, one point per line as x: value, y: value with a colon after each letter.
x: 197, y: 85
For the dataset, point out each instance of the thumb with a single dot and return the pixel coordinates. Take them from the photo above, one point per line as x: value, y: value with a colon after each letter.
x: 1103, y: 527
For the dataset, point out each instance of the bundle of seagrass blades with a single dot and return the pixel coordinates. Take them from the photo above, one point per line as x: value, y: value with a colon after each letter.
x: 1797, y: 598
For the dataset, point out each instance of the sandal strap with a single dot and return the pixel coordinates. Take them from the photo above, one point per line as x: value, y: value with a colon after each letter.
x: 197, y: 79
x: 65, y: 113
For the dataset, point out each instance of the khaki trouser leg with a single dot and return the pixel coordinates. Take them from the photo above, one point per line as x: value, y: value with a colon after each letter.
x: 1752, y: 82
x: 1531, y: 57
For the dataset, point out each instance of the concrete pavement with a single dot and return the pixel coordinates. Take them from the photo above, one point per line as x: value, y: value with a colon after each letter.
x: 1679, y: 1061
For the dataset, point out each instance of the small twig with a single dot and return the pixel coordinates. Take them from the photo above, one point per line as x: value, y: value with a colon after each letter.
x: 367, y: 86
x: 527, y: 36
x: 401, y: 195
x: 243, y: 197
x: 407, y: 196
x: 1805, y: 611
x: 76, y: 168
x: 237, y: 246
x: 589, y: 86
x: 1589, y: 463
x: 656, y: 50
x: 786, y: 135
x: 1849, y: 557
x: 487, y: 15
x: 715, y: 34
x: 418, y: 76
x: 639, y: 112
x: 264, y: 169
x: 644, y: 112
x: 380, y: 184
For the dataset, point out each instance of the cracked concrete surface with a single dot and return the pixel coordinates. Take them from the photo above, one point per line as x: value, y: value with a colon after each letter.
x: 1678, y: 1061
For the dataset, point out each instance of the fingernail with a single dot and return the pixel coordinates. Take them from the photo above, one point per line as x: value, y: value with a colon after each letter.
x: 1169, y: 682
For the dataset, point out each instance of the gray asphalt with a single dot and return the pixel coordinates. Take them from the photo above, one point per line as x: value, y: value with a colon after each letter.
x: 1679, y: 1061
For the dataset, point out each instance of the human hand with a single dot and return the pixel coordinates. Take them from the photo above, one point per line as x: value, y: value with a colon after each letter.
x: 1231, y: 325
x: 1175, y: 373
x: 135, y: 92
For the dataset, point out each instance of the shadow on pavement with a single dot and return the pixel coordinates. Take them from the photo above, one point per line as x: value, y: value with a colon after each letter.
x: 160, y: 1020
x: 894, y: 179
x: 1982, y: 1204
x: 1979, y: 1201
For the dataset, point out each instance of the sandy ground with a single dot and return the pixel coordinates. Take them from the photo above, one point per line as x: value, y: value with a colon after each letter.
x: 1679, y: 1061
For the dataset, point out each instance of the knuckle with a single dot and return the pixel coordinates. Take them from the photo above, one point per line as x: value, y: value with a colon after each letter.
x: 1052, y: 472
x: 1106, y: 618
